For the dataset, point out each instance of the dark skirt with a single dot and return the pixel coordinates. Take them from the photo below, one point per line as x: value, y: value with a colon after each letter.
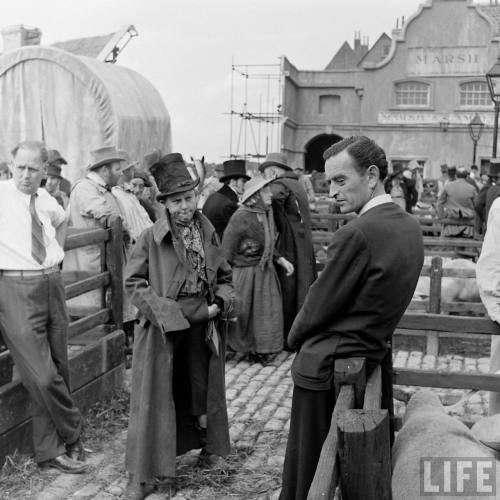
x: 259, y: 326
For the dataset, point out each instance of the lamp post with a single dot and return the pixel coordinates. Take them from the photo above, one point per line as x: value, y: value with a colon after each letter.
x: 493, y: 79
x: 475, y: 129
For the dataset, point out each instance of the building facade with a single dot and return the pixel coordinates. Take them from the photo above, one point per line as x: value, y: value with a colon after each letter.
x: 414, y: 93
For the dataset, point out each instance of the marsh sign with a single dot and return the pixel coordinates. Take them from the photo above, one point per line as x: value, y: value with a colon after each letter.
x: 425, y: 61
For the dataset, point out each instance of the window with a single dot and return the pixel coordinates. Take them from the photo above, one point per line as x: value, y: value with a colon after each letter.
x: 474, y: 94
x: 412, y: 94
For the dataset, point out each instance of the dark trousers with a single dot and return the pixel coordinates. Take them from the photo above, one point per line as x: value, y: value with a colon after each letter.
x: 34, y: 321
x: 309, y: 426
x: 191, y: 359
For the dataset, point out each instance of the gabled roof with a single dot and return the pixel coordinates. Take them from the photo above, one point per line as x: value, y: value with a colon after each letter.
x: 90, y: 46
x: 345, y: 58
x: 379, y: 50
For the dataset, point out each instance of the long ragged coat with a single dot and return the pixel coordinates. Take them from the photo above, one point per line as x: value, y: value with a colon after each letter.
x: 159, y: 428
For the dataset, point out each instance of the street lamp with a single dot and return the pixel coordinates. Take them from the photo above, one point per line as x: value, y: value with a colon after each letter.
x: 475, y: 129
x: 493, y: 79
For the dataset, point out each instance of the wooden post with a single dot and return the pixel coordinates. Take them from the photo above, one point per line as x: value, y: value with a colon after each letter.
x: 351, y: 371
x: 364, y: 455
x: 114, y: 264
x: 436, y: 274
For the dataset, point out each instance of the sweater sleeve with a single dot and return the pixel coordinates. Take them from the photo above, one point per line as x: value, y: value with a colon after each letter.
x: 336, y: 287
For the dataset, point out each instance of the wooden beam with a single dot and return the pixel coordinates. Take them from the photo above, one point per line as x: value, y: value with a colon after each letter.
x: 442, y: 323
x: 445, y: 379
x: 326, y: 477
x: 114, y: 264
x: 88, y: 322
x: 364, y: 455
x: 86, y: 237
x: 91, y: 283
x: 373, y: 391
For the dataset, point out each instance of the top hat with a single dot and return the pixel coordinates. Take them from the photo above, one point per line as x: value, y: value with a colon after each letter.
x: 55, y: 156
x: 103, y: 156
x: 254, y: 185
x: 54, y: 171
x: 234, y: 168
x: 151, y: 158
x: 275, y: 160
x: 172, y: 176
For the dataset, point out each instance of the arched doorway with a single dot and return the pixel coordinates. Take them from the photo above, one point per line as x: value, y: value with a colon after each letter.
x: 315, y: 149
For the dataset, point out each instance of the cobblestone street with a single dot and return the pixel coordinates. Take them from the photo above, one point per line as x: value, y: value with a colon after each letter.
x: 259, y: 402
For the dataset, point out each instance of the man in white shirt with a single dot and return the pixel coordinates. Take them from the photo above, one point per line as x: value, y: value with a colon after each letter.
x: 33, y: 316
x: 488, y: 282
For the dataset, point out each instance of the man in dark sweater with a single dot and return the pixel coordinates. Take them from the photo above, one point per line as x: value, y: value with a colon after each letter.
x: 222, y: 204
x: 355, y: 304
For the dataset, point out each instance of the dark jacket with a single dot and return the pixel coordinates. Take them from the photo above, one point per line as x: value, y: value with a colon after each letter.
x: 154, y: 276
x: 409, y: 191
x: 219, y: 207
x: 352, y: 309
x: 293, y: 222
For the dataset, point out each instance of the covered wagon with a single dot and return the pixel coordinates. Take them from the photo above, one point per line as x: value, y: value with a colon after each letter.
x: 75, y: 104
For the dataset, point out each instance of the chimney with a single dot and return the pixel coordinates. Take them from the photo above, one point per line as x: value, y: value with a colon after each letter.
x: 15, y: 37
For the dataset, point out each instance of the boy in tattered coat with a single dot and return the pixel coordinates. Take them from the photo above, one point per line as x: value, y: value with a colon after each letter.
x: 181, y: 284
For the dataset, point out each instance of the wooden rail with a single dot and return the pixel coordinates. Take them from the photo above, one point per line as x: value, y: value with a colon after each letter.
x: 355, y: 456
x: 96, y: 370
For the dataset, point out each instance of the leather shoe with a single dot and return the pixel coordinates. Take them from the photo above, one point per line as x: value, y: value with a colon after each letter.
x: 64, y: 464
x: 137, y: 491
x: 76, y: 451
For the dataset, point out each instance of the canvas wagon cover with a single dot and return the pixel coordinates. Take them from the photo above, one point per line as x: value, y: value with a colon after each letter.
x: 76, y: 104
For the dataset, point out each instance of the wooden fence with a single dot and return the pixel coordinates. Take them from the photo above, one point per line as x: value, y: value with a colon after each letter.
x: 356, y: 454
x: 97, y: 368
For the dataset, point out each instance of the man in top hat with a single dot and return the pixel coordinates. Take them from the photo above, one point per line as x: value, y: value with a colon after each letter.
x: 293, y: 222
x: 33, y: 317
x: 56, y: 160
x: 53, y: 184
x: 91, y: 205
x: 222, y: 204
x: 182, y: 285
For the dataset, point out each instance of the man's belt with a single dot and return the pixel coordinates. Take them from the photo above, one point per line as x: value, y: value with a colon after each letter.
x: 15, y: 273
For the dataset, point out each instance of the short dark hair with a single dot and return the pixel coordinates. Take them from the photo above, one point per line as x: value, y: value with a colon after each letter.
x: 364, y: 150
x: 474, y: 167
x: 462, y: 173
x: 37, y: 146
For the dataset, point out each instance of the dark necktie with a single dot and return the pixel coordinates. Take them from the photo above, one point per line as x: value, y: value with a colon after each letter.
x: 107, y: 187
x: 38, y: 251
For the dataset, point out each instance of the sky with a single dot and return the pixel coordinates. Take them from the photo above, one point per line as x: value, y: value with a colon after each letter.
x: 185, y: 48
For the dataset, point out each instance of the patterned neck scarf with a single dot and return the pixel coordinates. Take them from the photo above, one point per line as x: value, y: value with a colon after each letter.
x: 190, y: 235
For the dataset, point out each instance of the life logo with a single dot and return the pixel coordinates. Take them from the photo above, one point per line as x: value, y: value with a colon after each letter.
x: 455, y: 476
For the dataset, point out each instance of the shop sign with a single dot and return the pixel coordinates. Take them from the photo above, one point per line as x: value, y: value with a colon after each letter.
x: 453, y: 61
x: 429, y: 118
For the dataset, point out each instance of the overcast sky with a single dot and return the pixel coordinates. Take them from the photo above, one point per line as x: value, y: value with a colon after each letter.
x: 185, y: 47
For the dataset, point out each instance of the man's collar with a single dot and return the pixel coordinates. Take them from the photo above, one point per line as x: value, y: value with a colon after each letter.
x: 163, y: 226
x: 96, y: 178
x: 375, y: 202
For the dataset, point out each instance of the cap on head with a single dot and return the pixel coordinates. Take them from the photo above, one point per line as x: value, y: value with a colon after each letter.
x: 55, y: 157
x: 104, y: 156
x: 277, y: 160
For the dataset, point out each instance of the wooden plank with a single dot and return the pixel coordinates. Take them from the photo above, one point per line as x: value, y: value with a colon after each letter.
x: 88, y: 322
x: 98, y: 281
x: 373, y: 391
x: 452, y: 242
x: 451, y: 273
x: 114, y: 264
x: 84, y: 238
x: 326, y: 476
x: 364, y: 455
x: 465, y: 308
x: 19, y: 437
x: 91, y: 336
x: 436, y: 273
x: 458, y: 335
x: 440, y: 378
x: 443, y: 323
x: 87, y: 365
